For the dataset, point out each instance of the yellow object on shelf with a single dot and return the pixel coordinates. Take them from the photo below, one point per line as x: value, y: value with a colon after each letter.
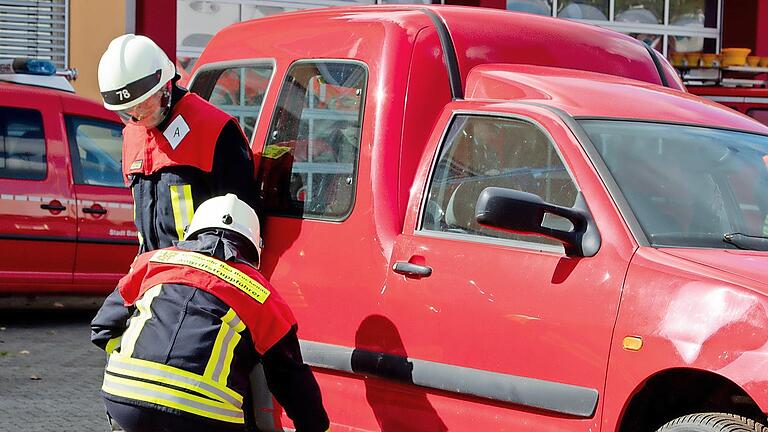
x: 677, y: 59
x: 734, y: 56
x: 693, y: 58
x: 753, y: 61
x: 763, y: 61
x: 710, y: 60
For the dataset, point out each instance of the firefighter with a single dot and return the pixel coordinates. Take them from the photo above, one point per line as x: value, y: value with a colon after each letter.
x: 201, y: 317
x: 178, y: 149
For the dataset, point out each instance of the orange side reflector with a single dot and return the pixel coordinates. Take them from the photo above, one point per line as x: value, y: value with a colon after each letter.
x: 633, y: 343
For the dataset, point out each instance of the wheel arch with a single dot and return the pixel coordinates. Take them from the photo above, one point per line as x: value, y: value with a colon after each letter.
x: 658, y: 399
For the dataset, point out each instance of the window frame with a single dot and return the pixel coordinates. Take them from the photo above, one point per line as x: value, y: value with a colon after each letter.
x: 4, y: 134
x: 74, y: 149
x: 232, y: 64
x: 355, y: 165
x: 473, y: 238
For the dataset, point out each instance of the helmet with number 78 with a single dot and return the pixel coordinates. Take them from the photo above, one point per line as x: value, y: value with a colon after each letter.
x: 132, y: 69
x: 230, y: 213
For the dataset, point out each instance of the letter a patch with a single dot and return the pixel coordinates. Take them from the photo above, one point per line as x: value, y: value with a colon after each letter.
x: 176, y: 131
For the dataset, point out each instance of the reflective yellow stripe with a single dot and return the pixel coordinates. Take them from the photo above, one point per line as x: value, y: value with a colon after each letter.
x: 164, y: 374
x: 157, y: 369
x: 229, y: 350
x: 113, y: 344
x: 215, y: 267
x: 137, y: 323
x: 220, y: 362
x: 213, y: 360
x: 181, y: 201
x: 172, y: 398
x: 138, y: 231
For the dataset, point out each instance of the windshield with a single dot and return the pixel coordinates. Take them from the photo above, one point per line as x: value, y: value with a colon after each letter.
x: 688, y: 186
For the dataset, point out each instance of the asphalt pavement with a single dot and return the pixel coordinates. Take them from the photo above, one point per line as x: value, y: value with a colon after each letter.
x: 50, y: 373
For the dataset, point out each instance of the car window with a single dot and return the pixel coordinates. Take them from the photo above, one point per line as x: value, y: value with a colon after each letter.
x: 481, y: 152
x: 22, y: 144
x: 760, y: 115
x: 237, y: 90
x: 308, y: 166
x: 687, y: 186
x: 96, y: 148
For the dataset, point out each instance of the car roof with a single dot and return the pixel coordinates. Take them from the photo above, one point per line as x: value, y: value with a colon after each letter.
x: 26, y: 89
x: 594, y: 95
x: 70, y: 103
x: 478, y: 35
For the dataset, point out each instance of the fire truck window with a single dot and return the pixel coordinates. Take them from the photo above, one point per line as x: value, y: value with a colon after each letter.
x: 309, y: 165
x: 481, y: 152
x: 22, y: 144
x: 237, y: 90
x: 760, y: 115
x: 96, y: 148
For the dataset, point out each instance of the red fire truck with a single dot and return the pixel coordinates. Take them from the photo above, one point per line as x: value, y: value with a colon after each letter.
x: 66, y: 218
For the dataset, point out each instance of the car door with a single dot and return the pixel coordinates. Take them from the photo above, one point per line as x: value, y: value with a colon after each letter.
x: 106, y: 236
x: 37, y: 207
x: 515, y: 331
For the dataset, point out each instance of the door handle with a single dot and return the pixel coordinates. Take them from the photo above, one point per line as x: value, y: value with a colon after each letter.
x: 53, y: 206
x: 95, y: 210
x: 408, y: 269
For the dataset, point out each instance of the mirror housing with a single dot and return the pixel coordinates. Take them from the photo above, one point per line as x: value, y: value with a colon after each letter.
x: 523, y: 213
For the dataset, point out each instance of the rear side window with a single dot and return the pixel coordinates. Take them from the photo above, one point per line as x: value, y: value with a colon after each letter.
x: 309, y: 164
x: 481, y: 152
x: 760, y: 115
x: 96, y: 149
x: 238, y: 90
x: 22, y: 144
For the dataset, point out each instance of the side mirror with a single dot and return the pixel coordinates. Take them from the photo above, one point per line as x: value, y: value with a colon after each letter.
x: 523, y: 213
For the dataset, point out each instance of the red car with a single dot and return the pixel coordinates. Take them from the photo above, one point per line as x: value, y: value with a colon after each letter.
x: 509, y: 223
x: 66, y: 217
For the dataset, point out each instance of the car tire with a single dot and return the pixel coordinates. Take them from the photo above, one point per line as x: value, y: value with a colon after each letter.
x: 713, y: 422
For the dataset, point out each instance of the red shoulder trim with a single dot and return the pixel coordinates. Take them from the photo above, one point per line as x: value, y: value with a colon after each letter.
x: 267, y: 322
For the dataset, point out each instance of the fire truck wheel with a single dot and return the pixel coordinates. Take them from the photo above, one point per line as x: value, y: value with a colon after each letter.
x: 713, y: 422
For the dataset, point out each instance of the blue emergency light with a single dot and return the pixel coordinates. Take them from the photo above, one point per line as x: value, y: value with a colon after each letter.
x: 27, y: 66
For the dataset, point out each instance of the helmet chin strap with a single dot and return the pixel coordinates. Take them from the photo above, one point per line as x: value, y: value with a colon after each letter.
x: 165, y: 107
x: 165, y: 103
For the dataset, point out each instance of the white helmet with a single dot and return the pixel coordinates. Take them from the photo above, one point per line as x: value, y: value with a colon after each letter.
x: 131, y: 70
x: 230, y: 213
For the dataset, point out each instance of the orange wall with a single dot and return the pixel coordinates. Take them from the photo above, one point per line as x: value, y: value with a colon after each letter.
x: 92, y: 24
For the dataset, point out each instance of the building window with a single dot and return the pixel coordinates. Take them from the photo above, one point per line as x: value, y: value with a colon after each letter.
x: 35, y: 28
x: 665, y: 25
